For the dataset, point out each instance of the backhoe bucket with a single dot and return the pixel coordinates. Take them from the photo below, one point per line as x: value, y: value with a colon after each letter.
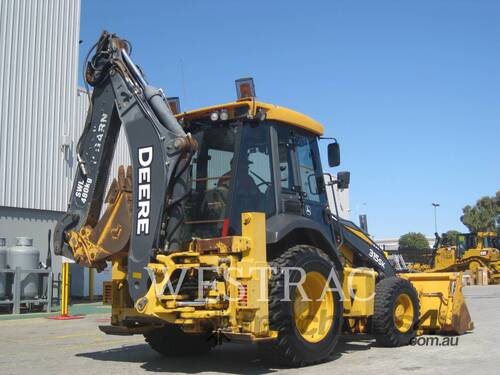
x: 442, y: 303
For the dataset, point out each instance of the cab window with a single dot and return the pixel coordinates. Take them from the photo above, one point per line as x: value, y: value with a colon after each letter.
x: 285, y: 160
x: 210, y: 173
x: 307, y: 167
x: 253, y: 180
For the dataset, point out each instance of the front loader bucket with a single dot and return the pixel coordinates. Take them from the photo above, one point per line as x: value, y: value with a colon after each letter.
x: 442, y: 303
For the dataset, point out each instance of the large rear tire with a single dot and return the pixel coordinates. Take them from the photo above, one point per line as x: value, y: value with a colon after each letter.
x: 171, y: 341
x: 396, y: 312
x: 308, y: 331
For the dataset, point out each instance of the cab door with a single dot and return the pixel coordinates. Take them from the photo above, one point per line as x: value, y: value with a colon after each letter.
x: 310, y: 176
x: 301, y: 189
x: 288, y: 187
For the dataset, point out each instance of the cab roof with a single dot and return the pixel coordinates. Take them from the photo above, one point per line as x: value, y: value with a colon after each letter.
x: 272, y: 111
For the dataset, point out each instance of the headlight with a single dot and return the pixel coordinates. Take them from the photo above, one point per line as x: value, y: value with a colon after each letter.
x: 214, y: 116
x: 224, y: 115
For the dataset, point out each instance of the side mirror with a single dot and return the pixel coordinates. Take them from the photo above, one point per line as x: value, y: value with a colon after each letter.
x: 333, y: 154
x: 343, y: 180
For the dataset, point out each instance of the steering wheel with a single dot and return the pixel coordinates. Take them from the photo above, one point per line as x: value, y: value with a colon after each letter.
x: 262, y: 181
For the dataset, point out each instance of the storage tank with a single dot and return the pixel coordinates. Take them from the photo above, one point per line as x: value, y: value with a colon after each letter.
x: 3, y: 264
x: 25, y: 256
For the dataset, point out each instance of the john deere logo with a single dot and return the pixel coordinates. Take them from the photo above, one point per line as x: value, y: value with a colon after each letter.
x: 145, y: 158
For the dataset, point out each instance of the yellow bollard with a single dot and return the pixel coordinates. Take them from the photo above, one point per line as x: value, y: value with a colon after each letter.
x: 65, y: 289
x: 64, y: 315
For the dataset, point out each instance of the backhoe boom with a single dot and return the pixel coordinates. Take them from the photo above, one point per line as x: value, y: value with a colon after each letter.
x: 160, y: 151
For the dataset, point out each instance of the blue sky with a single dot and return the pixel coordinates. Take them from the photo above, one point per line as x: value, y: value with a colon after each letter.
x: 411, y: 89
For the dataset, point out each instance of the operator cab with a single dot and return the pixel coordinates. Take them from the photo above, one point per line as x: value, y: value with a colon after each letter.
x: 490, y: 240
x: 253, y: 157
x: 482, y: 240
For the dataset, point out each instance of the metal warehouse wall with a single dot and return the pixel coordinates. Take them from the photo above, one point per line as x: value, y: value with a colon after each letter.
x: 121, y: 151
x: 41, y: 110
x: 38, y: 84
x: 21, y: 222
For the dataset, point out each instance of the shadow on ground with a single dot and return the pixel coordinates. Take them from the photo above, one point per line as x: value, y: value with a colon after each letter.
x: 230, y: 358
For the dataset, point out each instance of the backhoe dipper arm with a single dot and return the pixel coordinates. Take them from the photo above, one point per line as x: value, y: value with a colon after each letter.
x: 160, y: 151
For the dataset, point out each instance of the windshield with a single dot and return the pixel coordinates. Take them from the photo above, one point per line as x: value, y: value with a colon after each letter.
x: 220, y: 176
x: 463, y: 243
x: 491, y: 242
x: 205, y: 207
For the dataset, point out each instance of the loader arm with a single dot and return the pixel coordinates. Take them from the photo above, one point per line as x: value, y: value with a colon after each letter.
x: 160, y: 153
x: 365, y: 252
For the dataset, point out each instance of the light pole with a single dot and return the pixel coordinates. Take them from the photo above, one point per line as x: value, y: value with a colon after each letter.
x: 436, y: 205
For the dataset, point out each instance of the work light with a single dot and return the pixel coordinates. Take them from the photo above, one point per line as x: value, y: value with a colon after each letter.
x: 245, y: 88
x: 214, y: 116
x: 175, y: 104
x: 224, y: 115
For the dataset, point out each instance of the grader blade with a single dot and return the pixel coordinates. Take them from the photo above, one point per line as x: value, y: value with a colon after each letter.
x: 442, y: 303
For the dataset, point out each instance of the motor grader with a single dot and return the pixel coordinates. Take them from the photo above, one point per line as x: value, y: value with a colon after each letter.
x: 221, y: 231
x: 472, y: 251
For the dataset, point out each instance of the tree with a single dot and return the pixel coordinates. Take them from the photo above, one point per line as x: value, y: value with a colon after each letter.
x: 484, y: 215
x: 413, y: 240
x: 449, y: 238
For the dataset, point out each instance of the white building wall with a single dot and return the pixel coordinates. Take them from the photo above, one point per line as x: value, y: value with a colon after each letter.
x: 42, y: 112
x: 392, y: 244
x: 38, y: 64
x: 342, y: 197
x: 343, y: 202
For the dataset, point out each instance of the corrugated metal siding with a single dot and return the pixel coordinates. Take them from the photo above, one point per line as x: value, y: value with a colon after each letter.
x: 38, y: 66
x: 121, y: 151
x: 40, y: 105
x: 16, y: 222
x: 122, y: 156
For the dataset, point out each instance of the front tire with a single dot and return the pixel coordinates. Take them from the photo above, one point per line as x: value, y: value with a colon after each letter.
x: 396, y: 312
x: 308, y: 331
x: 171, y: 341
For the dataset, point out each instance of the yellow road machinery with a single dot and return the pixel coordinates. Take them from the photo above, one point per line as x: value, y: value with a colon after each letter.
x: 472, y: 251
x: 421, y: 260
x: 221, y: 229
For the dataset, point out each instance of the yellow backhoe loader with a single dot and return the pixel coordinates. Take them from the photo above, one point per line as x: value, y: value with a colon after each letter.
x: 221, y: 231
